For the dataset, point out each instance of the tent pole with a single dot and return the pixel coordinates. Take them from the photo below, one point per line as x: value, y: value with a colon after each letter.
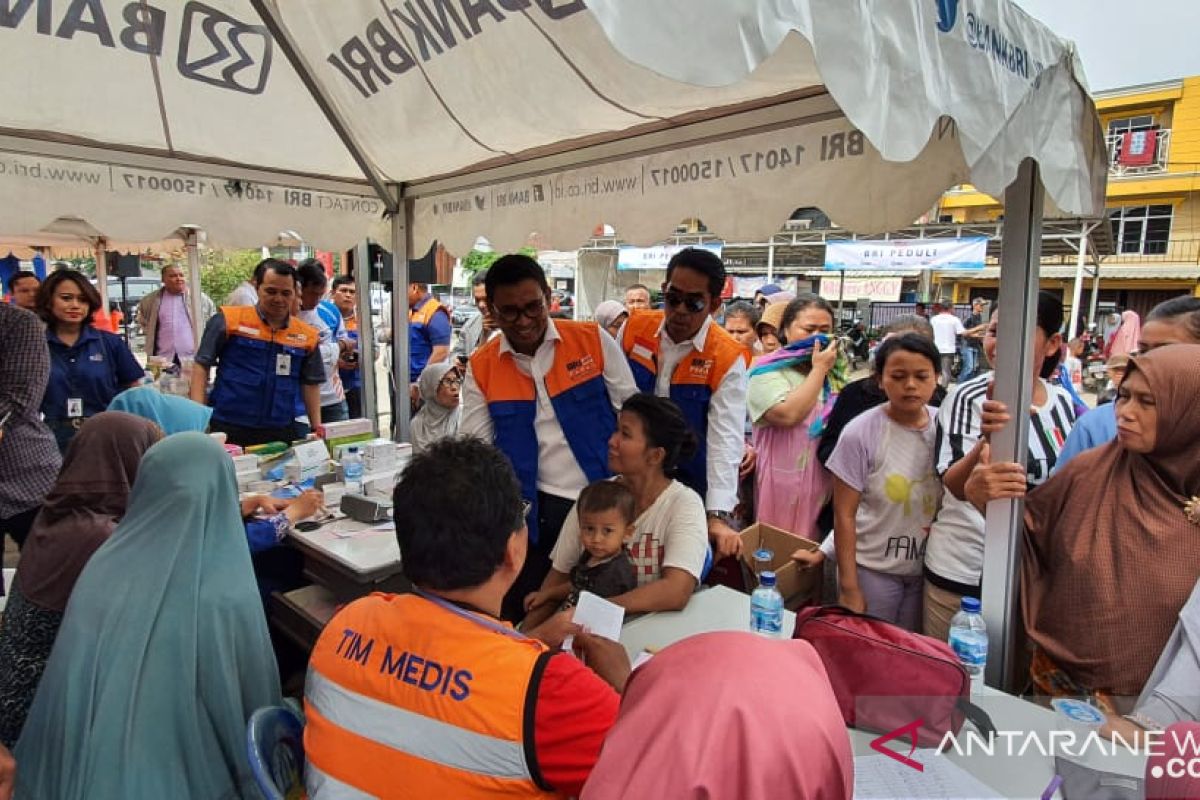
x: 1020, y: 261
x: 366, y: 334
x: 771, y: 261
x: 1095, y: 295
x: 1077, y: 293
x: 101, y: 247
x: 193, y: 259
x: 400, y: 353
x: 287, y: 44
x: 841, y: 294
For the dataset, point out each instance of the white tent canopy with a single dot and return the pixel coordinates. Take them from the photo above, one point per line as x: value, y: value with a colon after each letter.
x: 506, y: 117
x: 511, y: 117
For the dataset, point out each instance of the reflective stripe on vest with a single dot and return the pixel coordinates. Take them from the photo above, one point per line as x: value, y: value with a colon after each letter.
x: 247, y: 391
x: 409, y: 697
x: 322, y: 787
x: 577, y: 392
x: 415, y: 734
x: 693, y: 383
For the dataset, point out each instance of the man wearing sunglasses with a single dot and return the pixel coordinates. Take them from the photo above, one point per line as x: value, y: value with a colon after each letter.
x: 545, y: 392
x: 682, y: 354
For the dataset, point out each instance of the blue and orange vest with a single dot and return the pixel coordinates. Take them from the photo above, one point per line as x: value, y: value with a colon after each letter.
x: 412, y: 696
x: 693, y: 384
x: 577, y: 391
x: 420, y: 348
x: 247, y: 390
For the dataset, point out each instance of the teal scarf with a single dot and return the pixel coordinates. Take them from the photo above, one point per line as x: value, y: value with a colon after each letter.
x: 173, y: 414
x: 163, y: 653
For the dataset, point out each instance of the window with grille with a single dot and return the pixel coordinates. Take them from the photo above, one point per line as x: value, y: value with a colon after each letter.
x: 1143, y: 230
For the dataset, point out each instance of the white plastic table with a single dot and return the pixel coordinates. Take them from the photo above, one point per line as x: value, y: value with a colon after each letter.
x: 351, y: 566
x: 717, y: 608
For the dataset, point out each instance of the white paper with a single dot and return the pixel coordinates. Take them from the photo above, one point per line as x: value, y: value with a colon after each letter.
x: 598, y: 616
x: 879, y: 777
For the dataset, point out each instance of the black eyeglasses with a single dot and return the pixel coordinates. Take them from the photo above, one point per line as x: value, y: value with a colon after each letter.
x: 695, y: 303
x: 513, y: 313
x: 451, y: 380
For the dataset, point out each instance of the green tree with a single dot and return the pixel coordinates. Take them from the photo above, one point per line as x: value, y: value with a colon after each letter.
x: 477, y: 260
x: 223, y: 270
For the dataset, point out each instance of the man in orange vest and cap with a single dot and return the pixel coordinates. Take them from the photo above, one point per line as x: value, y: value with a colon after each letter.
x: 430, y: 695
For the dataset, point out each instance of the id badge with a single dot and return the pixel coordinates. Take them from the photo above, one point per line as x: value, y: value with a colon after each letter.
x: 283, y: 364
x: 74, y: 407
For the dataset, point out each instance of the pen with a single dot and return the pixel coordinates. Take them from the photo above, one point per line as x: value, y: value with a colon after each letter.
x: 4, y: 420
x: 1052, y: 788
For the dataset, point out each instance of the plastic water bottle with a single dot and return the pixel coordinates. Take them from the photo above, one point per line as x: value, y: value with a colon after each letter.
x: 766, y: 607
x: 352, y: 467
x: 762, y: 561
x: 968, y: 639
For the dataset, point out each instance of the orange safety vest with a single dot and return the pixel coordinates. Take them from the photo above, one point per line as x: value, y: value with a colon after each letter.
x: 251, y: 389
x: 693, y: 383
x: 411, y: 696
x: 578, y: 393
x: 419, y: 346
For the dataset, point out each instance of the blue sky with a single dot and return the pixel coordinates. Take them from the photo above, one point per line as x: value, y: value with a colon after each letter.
x: 1127, y: 42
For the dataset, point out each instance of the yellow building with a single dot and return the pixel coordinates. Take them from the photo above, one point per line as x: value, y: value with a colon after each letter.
x: 1149, y: 246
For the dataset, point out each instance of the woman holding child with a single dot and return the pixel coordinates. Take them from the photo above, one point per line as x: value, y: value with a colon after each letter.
x: 669, y: 541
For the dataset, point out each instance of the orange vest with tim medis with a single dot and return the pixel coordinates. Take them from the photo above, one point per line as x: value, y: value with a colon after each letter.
x: 411, y: 696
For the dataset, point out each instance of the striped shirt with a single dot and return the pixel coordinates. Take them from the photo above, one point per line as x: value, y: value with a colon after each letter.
x: 954, y: 554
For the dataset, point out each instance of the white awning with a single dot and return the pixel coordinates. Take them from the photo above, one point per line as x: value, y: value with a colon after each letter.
x: 509, y: 117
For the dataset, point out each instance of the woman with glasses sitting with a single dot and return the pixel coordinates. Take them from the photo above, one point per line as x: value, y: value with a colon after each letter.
x: 440, y: 410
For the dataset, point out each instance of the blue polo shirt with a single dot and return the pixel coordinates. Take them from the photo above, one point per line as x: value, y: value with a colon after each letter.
x: 94, y: 369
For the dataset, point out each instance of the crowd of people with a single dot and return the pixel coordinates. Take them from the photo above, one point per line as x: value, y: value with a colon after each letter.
x: 622, y: 457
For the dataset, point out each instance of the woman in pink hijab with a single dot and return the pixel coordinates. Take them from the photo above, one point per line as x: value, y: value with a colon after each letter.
x: 1125, y: 338
x: 727, y: 715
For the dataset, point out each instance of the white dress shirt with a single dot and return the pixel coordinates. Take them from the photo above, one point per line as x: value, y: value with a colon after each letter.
x: 726, y: 416
x: 559, y: 473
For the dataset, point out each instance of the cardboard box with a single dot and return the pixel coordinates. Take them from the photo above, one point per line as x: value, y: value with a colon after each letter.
x: 796, y: 585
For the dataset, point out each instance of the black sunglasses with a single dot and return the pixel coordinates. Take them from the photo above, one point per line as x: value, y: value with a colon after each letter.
x: 691, y: 302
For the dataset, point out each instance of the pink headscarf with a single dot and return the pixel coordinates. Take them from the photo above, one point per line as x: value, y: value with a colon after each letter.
x: 1163, y: 785
x: 1128, y: 333
x: 727, y: 714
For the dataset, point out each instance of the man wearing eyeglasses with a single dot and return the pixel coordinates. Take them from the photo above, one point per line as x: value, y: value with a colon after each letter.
x: 546, y: 393
x: 682, y: 354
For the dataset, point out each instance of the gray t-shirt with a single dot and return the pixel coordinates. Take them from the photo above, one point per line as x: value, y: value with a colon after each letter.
x: 892, y: 466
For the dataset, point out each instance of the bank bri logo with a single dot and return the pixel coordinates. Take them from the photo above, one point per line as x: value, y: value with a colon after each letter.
x: 947, y: 14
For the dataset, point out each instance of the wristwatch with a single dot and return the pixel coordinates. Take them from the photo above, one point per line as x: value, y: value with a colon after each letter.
x: 724, y: 516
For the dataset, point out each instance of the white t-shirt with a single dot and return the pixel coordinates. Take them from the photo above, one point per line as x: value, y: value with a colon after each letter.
x: 892, y: 466
x: 955, y: 548
x: 673, y: 532
x: 946, y: 330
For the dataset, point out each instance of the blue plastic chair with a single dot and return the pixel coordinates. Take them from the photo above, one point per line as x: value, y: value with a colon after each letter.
x: 275, y: 744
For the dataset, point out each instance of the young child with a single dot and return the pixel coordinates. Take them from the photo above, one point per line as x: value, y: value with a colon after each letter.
x: 886, y: 492
x: 607, y: 511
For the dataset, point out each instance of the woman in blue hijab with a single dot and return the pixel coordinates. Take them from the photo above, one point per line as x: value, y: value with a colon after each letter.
x: 174, y: 414
x: 163, y: 652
